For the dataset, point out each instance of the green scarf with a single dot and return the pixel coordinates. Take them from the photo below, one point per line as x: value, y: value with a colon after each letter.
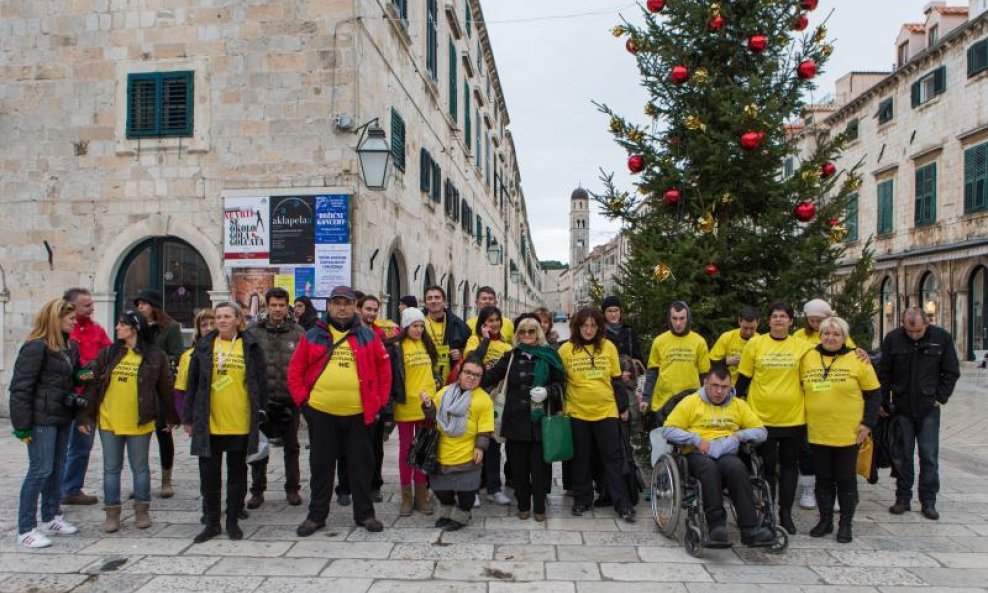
x: 545, y: 357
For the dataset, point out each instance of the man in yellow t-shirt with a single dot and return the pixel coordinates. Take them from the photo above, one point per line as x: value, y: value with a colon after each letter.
x: 711, y: 424
x: 678, y: 360
x: 730, y: 345
x: 486, y: 297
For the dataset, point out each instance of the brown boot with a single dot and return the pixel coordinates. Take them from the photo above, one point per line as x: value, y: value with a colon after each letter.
x: 407, y: 502
x: 167, y: 491
x: 422, y: 503
x: 112, y: 521
x: 142, y: 518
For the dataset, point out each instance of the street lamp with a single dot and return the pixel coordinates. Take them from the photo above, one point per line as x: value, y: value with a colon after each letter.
x: 515, y: 276
x: 374, y: 154
x: 494, y: 253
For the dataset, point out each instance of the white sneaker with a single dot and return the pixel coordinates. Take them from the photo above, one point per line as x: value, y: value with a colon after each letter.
x: 59, y: 526
x: 499, y: 498
x: 33, y: 539
x: 807, y: 499
x: 476, y: 501
x: 836, y: 505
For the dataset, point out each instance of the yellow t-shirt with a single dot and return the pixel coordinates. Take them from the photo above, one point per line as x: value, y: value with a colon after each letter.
x: 118, y: 411
x: 495, y: 350
x: 229, y: 404
x: 437, y: 331
x: 814, y: 338
x: 507, y: 328
x: 835, y: 404
x: 337, y: 390
x: 418, y: 378
x: 182, y: 375
x: 480, y: 419
x: 728, y: 345
x: 589, y: 393
x: 712, y: 422
x: 773, y: 365
x: 389, y: 327
x: 680, y: 360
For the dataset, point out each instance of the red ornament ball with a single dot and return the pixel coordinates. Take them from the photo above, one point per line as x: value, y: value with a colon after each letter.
x: 828, y: 169
x: 674, y: 140
x: 679, y: 74
x: 804, y: 211
x: 712, y: 269
x: 654, y: 6
x: 717, y: 23
x: 810, y: 4
x: 758, y: 43
x: 636, y: 163
x: 806, y: 69
x: 802, y: 21
x: 752, y: 140
x: 833, y: 222
x: 631, y: 47
x: 672, y: 197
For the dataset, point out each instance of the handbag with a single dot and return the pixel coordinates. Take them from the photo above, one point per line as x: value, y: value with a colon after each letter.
x: 423, y: 454
x: 557, y: 438
x: 498, y: 395
x: 866, y: 454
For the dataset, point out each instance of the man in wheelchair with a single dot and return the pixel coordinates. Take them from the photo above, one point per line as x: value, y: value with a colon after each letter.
x: 710, y: 425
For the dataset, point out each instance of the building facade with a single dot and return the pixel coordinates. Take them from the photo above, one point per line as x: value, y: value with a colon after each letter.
x: 919, y: 136
x: 128, y: 126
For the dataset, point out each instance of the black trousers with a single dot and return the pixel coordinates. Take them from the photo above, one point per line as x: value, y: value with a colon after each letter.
x: 528, y: 474
x: 259, y: 469
x: 713, y: 475
x: 166, y: 447
x: 377, y: 444
x: 461, y: 498
x: 602, y: 437
x: 781, y: 450
x: 331, y: 436
x: 211, y: 474
x: 836, y: 476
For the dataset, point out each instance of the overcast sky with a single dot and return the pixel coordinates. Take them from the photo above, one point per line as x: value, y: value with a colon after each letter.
x: 554, y: 58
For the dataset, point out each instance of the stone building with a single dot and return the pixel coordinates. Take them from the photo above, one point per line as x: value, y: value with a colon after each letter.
x: 920, y: 134
x: 127, y: 126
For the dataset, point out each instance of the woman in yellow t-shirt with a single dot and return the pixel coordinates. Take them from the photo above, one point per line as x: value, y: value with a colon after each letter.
x: 842, y: 395
x: 226, y: 392
x: 204, y: 323
x: 464, y: 416
x: 768, y: 375
x: 413, y: 373
x: 132, y: 381
x: 596, y: 403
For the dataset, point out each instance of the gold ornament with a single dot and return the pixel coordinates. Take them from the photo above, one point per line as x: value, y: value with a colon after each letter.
x: 810, y: 175
x: 635, y: 135
x: 751, y: 111
x: 701, y: 76
x: 616, y: 205
x: 693, y: 123
x: 715, y: 9
x: 706, y: 223
x: 837, y: 234
x: 662, y: 272
x: 617, y: 126
x: 820, y: 34
x: 726, y: 198
x: 852, y: 183
x: 618, y: 31
x: 651, y: 110
x: 827, y: 50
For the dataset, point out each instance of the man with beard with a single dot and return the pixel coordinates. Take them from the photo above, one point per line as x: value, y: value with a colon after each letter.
x: 678, y: 360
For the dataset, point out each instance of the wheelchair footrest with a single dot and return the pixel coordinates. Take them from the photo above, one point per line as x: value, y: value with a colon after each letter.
x: 717, y: 545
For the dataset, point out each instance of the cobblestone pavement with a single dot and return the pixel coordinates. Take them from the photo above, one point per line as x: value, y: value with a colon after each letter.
x: 498, y: 553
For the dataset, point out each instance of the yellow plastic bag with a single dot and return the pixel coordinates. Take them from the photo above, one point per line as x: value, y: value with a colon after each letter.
x: 866, y: 452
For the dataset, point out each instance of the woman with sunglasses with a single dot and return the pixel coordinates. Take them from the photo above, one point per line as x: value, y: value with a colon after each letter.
x: 596, y: 404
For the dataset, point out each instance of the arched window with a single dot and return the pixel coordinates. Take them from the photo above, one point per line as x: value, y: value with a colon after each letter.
x: 886, y: 317
x: 466, y: 300
x: 429, y: 279
x: 170, y: 266
x: 929, y: 297
x: 394, y: 286
x: 978, y: 317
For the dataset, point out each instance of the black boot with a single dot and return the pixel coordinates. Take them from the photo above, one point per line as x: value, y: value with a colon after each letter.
x: 233, y: 530
x: 848, y: 502
x: 825, y: 503
x: 785, y: 520
x: 210, y: 531
x: 210, y: 518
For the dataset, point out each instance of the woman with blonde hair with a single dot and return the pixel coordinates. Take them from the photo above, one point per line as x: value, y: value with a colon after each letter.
x: 204, y: 322
x: 43, y: 404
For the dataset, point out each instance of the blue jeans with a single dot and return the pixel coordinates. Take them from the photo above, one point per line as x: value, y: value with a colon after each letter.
x: 137, y: 454
x: 77, y: 461
x: 925, y: 433
x: 46, y: 456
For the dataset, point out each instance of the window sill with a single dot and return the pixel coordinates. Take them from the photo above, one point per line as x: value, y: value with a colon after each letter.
x: 399, y: 26
x: 138, y: 146
x: 929, y: 102
x: 883, y: 235
x: 975, y: 214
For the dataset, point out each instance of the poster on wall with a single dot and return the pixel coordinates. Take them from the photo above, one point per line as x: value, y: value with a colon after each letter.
x: 286, y: 279
x: 246, y: 228
x: 333, y: 219
x: 332, y: 267
x: 292, y: 229
x: 248, y: 285
x: 305, y: 281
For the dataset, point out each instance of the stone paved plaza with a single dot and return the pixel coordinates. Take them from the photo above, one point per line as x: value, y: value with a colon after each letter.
x: 498, y: 553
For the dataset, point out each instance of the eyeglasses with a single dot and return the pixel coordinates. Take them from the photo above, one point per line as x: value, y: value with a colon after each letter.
x: 528, y: 332
x: 471, y: 374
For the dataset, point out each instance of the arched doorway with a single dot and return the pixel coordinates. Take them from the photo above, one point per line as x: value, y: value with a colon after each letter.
x: 429, y: 279
x: 170, y: 266
x: 978, y: 312
x: 394, y: 286
x: 929, y: 297
x: 466, y: 300
x: 886, y: 315
x: 450, y: 289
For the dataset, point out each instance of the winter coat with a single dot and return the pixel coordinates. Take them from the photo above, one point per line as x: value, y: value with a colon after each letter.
x: 154, y: 385
x: 169, y: 339
x: 41, y: 380
x: 457, y: 331
x: 278, y: 342
x: 626, y: 341
x: 916, y: 375
x: 199, y: 384
x: 373, y: 366
x: 516, y: 420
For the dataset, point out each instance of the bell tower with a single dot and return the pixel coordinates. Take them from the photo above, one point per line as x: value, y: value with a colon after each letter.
x: 579, y: 226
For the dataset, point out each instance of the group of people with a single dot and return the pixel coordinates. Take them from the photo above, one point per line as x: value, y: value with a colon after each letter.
x: 355, y: 377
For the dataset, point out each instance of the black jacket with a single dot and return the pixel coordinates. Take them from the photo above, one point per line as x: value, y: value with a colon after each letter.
x: 169, y: 339
x: 278, y: 343
x: 42, y: 378
x: 457, y: 331
x: 154, y: 385
x: 626, y: 341
x: 915, y: 375
x: 398, y: 375
x: 199, y: 385
x: 516, y: 422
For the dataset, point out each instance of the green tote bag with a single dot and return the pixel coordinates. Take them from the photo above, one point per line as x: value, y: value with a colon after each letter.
x: 557, y: 438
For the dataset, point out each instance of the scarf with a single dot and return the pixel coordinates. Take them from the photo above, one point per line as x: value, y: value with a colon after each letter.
x: 453, y: 410
x: 545, y: 358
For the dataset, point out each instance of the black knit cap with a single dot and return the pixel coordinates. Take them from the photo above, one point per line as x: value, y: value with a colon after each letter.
x: 610, y: 301
x: 151, y: 297
x: 410, y: 300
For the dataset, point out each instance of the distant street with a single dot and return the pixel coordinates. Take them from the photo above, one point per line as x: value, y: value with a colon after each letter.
x: 562, y: 330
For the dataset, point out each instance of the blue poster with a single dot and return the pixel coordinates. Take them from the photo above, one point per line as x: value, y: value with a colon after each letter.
x: 333, y: 219
x: 305, y: 281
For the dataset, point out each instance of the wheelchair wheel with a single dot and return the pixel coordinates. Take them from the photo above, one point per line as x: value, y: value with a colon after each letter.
x: 781, y: 541
x: 666, y: 492
x: 693, y: 540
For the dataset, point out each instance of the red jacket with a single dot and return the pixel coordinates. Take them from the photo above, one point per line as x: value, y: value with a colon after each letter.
x: 90, y: 338
x: 373, y: 366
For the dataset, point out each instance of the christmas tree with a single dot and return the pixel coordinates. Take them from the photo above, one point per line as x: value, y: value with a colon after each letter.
x: 714, y: 219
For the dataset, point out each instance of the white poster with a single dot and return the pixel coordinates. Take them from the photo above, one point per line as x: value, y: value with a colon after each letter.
x: 246, y: 229
x: 332, y: 268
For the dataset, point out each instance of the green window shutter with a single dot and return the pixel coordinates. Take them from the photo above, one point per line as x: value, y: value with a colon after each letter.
x: 176, y: 104
x: 885, y: 111
x: 160, y: 104
x: 397, y: 140
x: 940, y: 80
x: 852, y: 129
x: 432, y: 39
x: 453, y: 81
x: 926, y: 189
x: 469, y: 18
x: 142, y: 101
x: 885, y: 204
x: 916, y: 96
x: 425, y: 170
x: 437, y: 178
x: 480, y: 230
x: 976, y: 178
x: 467, y: 127
x: 977, y: 58
x: 851, y: 218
